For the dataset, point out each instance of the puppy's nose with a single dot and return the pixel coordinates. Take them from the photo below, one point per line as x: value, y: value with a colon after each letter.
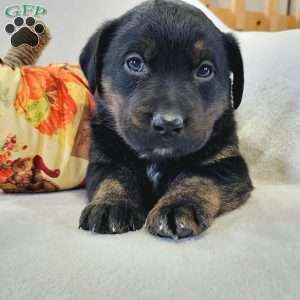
x: 167, y: 123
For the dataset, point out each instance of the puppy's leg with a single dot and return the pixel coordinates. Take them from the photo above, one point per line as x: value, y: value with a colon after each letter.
x: 115, y: 197
x: 194, y: 199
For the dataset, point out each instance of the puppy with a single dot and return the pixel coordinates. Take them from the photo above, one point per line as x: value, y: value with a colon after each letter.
x: 164, y: 147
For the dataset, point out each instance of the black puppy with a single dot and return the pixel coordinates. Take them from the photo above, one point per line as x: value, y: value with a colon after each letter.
x: 164, y: 149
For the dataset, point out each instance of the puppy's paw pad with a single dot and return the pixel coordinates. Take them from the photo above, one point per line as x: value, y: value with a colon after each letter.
x: 177, y: 221
x: 111, y: 218
x: 25, y: 32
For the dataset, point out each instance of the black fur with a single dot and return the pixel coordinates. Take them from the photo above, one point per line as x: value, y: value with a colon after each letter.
x: 133, y: 168
x: 236, y: 66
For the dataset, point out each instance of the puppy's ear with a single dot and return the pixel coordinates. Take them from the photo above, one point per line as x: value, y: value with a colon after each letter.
x: 91, y: 57
x: 236, y: 67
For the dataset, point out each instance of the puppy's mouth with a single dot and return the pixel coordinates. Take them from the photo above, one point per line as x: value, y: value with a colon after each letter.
x: 171, y: 151
x: 154, y: 148
x: 159, y: 153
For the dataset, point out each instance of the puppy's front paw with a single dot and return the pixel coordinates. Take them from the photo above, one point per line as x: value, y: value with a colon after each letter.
x: 177, y: 221
x: 111, y: 218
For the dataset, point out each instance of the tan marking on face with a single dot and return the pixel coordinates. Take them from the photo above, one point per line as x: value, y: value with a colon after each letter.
x: 113, y: 99
x: 136, y: 121
x: 210, y: 113
x: 197, y: 49
x: 199, y: 45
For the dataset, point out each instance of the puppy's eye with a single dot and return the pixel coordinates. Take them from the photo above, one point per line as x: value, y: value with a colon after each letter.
x: 135, y: 64
x: 205, y: 71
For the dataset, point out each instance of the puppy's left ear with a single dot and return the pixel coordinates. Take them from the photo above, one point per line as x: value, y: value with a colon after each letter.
x: 91, y: 57
x: 236, y: 67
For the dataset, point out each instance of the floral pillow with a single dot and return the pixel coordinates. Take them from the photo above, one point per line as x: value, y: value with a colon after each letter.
x: 44, y: 128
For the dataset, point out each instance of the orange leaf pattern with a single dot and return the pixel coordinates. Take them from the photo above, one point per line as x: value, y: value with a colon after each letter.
x: 45, y: 99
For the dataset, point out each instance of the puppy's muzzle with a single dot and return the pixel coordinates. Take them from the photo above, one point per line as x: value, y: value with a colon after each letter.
x: 167, y: 124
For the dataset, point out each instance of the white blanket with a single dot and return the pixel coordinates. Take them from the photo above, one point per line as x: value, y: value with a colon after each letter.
x: 250, y: 253
x: 269, y: 117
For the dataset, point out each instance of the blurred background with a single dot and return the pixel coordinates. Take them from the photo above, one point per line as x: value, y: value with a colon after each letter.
x: 72, y: 22
x: 257, y: 15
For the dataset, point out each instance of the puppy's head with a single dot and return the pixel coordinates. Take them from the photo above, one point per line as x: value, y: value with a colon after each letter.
x: 162, y: 71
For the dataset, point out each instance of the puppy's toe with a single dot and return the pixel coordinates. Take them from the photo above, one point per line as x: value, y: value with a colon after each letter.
x: 84, y: 217
x: 177, y: 222
x: 159, y: 224
x: 111, y: 218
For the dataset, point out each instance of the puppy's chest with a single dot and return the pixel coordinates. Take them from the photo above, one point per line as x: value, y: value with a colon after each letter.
x: 154, y: 174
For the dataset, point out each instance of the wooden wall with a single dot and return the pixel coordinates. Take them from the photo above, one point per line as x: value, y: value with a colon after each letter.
x: 239, y: 18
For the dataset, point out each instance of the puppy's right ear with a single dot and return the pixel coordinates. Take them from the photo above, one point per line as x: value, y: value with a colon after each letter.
x: 91, y: 57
